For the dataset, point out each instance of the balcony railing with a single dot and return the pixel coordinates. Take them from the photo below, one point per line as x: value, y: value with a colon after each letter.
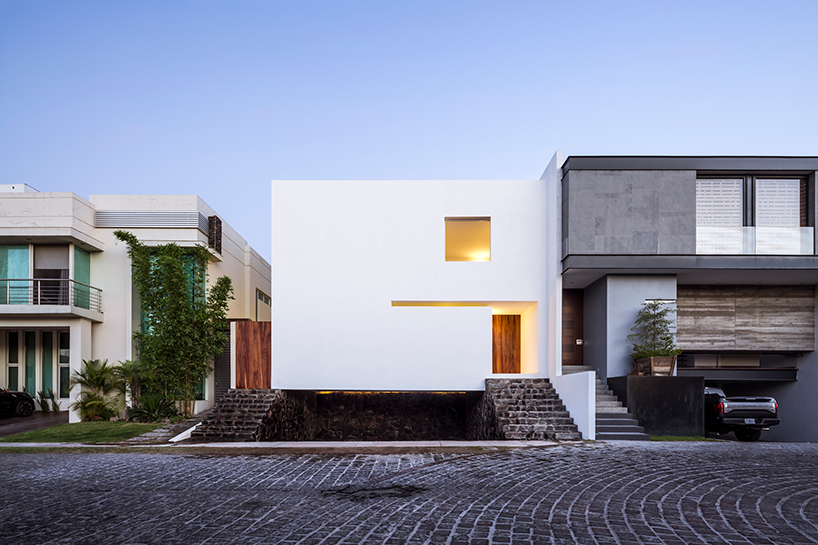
x: 754, y: 240
x: 49, y: 291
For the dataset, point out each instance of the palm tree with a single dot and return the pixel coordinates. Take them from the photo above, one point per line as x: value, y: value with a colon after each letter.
x: 101, y: 384
x: 133, y: 375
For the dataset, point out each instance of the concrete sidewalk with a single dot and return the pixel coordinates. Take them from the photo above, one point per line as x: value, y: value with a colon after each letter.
x: 316, y: 445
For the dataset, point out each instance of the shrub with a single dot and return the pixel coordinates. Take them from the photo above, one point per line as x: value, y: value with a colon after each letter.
x: 152, y: 406
x: 43, y: 400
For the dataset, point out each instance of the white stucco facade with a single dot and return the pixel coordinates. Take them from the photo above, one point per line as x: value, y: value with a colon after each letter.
x: 30, y: 220
x: 360, y: 283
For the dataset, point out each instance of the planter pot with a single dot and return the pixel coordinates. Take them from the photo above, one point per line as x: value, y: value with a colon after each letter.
x: 657, y: 366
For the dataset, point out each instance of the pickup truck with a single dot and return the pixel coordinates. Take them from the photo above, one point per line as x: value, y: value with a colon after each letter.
x: 747, y: 417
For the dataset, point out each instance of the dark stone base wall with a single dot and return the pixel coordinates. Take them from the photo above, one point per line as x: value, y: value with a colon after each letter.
x: 526, y: 406
x: 663, y: 405
x: 373, y: 416
x: 481, y: 422
x: 410, y: 416
x: 291, y: 417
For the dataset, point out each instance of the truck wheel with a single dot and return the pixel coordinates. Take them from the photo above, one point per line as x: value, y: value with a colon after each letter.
x: 747, y: 435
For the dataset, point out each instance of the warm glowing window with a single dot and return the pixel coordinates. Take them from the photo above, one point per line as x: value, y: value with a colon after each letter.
x: 468, y: 239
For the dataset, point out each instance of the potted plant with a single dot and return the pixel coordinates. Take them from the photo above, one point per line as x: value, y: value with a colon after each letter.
x: 654, y: 344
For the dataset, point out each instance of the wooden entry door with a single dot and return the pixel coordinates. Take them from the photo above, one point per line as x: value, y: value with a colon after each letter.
x: 572, y: 301
x: 253, y: 354
x: 506, y: 343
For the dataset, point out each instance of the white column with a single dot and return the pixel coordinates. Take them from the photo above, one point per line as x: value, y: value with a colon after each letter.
x: 80, y: 335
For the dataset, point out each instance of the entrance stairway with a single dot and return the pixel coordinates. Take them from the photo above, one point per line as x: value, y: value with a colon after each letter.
x: 530, y: 408
x: 236, y: 417
x: 613, y: 421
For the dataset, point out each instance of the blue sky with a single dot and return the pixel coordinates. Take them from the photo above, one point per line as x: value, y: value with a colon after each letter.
x: 218, y: 97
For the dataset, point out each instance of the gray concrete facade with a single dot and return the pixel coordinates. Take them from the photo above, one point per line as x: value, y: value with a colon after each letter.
x: 629, y: 212
x: 629, y: 234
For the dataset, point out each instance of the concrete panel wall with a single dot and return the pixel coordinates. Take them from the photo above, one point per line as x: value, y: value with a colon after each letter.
x: 630, y: 212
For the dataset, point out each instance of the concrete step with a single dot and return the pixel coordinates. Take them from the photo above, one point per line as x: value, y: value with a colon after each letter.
x: 606, y: 397
x: 607, y: 404
x: 615, y: 436
x: 634, y: 428
x: 613, y: 410
x: 569, y: 369
x: 619, y: 415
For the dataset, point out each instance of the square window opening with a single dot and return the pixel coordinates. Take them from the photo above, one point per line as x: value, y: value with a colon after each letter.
x: 468, y: 239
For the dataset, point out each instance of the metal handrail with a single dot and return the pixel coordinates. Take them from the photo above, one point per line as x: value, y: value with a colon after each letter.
x: 50, y: 291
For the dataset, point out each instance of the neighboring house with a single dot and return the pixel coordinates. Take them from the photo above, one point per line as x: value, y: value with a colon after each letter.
x: 66, y: 293
x: 730, y: 239
x: 438, y: 285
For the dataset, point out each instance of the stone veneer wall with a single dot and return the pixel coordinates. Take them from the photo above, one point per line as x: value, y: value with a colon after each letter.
x: 508, y: 409
x: 481, y: 423
x: 290, y: 417
x: 406, y: 416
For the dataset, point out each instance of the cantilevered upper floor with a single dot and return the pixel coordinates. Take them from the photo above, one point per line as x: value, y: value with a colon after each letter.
x: 701, y: 218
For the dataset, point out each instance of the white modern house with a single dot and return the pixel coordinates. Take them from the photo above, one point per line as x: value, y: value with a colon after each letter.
x: 437, y: 286
x: 65, y: 282
x: 408, y: 285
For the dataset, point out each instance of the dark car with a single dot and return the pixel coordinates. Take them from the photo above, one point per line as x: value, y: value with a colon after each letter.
x: 16, y: 403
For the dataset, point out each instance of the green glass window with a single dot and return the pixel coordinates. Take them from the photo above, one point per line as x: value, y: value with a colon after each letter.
x: 14, y: 379
x: 82, y: 273
x: 48, y: 361
x: 14, y: 347
x: 30, y: 340
x: 63, y: 359
x: 64, y: 386
x: 14, y: 265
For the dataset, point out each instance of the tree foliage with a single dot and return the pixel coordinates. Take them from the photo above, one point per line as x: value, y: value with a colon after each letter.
x: 654, y: 331
x: 184, y: 322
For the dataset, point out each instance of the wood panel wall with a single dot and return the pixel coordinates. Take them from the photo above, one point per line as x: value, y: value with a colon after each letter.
x: 572, y: 303
x: 506, y: 343
x: 253, y: 354
x: 746, y: 318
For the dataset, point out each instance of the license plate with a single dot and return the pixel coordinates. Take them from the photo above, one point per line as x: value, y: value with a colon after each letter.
x: 749, y: 420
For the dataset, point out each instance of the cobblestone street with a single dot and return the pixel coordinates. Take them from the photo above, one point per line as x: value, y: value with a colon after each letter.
x: 585, y: 493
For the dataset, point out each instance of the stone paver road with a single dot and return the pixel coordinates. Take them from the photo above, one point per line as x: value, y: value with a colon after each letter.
x: 647, y: 493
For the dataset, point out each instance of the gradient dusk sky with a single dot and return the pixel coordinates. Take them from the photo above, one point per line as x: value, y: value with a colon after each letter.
x: 218, y: 97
